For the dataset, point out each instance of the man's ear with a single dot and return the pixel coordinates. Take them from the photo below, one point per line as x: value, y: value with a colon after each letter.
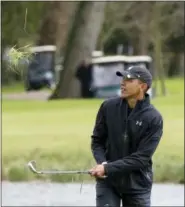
x: 144, y: 87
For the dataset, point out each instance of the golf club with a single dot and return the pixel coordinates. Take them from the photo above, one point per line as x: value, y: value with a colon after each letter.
x: 32, y: 167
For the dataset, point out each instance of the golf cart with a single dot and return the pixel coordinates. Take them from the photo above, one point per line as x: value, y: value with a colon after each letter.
x: 105, y: 83
x: 44, y: 68
x: 41, y: 70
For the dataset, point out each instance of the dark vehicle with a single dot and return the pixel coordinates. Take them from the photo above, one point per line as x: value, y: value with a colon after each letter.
x: 41, y: 70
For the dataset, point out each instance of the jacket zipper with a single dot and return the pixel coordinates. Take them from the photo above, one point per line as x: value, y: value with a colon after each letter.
x: 127, y: 118
x: 125, y: 135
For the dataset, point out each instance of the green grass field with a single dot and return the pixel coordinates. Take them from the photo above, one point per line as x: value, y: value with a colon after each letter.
x: 57, y: 135
x: 16, y: 87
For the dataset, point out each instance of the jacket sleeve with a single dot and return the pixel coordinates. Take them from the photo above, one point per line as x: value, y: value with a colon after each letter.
x: 98, y: 138
x: 141, y: 157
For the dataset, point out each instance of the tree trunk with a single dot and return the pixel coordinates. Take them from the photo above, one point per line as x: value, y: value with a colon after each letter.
x: 48, y: 28
x: 144, y: 36
x: 143, y: 27
x: 181, y: 73
x: 81, y: 42
x: 55, y: 22
x: 157, y: 40
x: 159, y: 63
x: 143, y: 40
x: 64, y: 15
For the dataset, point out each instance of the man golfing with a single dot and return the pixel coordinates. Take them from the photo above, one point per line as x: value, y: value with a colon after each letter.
x: 126, y: 134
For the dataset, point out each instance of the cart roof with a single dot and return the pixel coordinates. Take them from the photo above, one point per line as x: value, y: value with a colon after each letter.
x: 43, y: 48
x: 48, y: 48
x: 121, y: 58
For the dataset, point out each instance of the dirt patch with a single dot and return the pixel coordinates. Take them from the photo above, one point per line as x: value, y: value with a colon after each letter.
x: 39, y: 95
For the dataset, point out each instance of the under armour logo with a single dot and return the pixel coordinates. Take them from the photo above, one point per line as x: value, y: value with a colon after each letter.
x: 139, y: 123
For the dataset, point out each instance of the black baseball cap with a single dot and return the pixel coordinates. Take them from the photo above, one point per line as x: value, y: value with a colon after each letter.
x: 137, y: 72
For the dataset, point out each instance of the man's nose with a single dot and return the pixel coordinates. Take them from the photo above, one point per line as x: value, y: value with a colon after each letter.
x: 123, y: 83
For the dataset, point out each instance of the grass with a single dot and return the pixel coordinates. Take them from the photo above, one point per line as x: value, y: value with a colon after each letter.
x: 16, y: 87
x: 57, y: 135
x: 12, y: 88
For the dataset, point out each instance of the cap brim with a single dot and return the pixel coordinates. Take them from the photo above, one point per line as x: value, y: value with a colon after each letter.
x: 125, y: 75
x: 118, y: 73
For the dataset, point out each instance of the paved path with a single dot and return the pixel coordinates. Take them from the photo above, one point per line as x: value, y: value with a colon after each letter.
x: 39, y: 95
x: 50, y: 194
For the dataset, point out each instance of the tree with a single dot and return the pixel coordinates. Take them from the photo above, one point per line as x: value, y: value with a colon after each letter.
x: 114, y: 14
x: 157, y: 42
x: 18, y: 21
x: 163, y: 16
x: 64, y: 14
x: 55, y: 22
x: 153, y: 26
x: 18, y: 29
x: 48, y: 25
x: 81, y: 42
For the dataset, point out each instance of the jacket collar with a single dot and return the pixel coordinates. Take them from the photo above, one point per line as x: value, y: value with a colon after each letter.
x: 140, y: 104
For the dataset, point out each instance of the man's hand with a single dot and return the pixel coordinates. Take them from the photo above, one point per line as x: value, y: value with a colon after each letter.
x: 98, y: 171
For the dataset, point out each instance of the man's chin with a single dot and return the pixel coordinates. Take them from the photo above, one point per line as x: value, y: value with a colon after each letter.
x: 124, y: 95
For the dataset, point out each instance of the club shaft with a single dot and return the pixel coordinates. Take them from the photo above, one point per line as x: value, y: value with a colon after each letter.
x: 32, y: 167
x: 62, y: 172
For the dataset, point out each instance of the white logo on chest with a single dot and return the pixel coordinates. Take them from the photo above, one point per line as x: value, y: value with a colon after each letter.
x: 139, y: 123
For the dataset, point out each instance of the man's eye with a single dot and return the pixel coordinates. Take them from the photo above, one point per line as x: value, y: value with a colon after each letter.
x: 130, y: 80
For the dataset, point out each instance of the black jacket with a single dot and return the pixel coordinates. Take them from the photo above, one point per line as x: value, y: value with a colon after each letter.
x: 127, y: 143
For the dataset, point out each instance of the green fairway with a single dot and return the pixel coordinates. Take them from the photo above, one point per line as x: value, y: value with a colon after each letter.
x: 15, y: 87
x: 57, y: 135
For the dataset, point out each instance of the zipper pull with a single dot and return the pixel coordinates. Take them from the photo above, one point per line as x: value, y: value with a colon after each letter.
x: 125, y: 137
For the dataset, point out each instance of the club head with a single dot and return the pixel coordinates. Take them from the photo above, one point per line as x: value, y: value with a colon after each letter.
x: 32, y: 165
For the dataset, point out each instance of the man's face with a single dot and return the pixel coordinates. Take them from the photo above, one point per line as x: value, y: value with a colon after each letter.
x: 131, y: 88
